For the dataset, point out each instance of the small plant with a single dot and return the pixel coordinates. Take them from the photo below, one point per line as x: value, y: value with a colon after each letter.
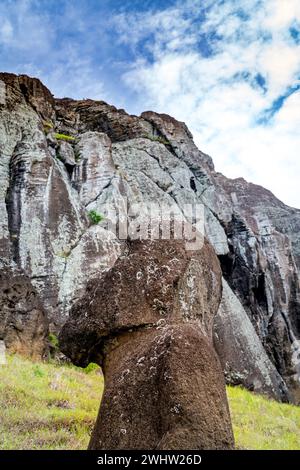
x: 77, y: 155
x: 159, y: 139
x: 64, y: 254
x: 94, y: 217
x: 53, y: 340
x: 38, y: 371
x: 92, y: 367
x: 47, y: 126
x: 67, y: 138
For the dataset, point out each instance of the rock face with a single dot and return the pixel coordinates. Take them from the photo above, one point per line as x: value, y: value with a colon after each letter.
x: 45, y: 230
x: 23, y: 322
x: 244, y: 360
x: 148, y: 323
x: 49, y: 184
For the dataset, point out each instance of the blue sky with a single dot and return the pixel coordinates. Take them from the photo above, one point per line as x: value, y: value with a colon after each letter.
x: 229, y: 69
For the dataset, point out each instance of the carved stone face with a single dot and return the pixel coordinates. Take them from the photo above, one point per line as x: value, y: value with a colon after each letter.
x: 156, y: 281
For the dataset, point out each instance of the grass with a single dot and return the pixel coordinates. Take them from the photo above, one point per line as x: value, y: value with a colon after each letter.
x: 259, y: 423
x: 52, y: 406
x: 46, y: 405
x: 66, y: 137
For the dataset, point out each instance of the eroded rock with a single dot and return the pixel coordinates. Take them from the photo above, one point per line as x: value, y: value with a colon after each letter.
x: 23, y: 321
x: 244, y: 360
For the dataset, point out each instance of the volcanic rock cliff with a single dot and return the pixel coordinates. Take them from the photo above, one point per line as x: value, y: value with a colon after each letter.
x: 60, y: 159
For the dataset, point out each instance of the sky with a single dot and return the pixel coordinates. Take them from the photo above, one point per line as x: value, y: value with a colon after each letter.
x: 230, y: 69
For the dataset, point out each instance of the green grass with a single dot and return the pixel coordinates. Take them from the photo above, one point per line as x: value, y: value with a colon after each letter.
x: 66, y: 137
x: 47, y: 406
x: 52, y: 406
x: 263, y: 424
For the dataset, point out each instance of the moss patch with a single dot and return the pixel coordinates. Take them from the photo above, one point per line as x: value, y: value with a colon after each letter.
x: 159, y: 139
x: 95, y: 218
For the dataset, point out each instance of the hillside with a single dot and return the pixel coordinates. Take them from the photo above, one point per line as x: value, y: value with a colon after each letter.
x: 47, y: 406
x: 50, y: 406
x: 67, y: 163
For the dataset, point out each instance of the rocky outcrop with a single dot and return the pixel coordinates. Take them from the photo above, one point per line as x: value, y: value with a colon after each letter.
x: 244, y: 360
x: 98, y: 116
x: 148, y: 323
x: 23, y: 322
x: 257, y: 239
x: 62, y: 159
x: 45, y: 230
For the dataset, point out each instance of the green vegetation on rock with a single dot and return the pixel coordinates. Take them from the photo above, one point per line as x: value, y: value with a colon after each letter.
x: 159, y: 139
x: 77, y: 155
x: 94, y: 217
x: 64, y: 254
x: 53, y: 340
x: 52, y: 406
x: 66, y: 137
x: 48, y: 124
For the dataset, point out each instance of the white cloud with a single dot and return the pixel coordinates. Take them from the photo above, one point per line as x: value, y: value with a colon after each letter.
x: 24, y: 29
x: 6, y: 31
x: 281, y: 13
x: 218, y: 95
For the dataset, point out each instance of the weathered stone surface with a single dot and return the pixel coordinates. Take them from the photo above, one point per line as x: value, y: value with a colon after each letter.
x: 96, y: 251
x: 23, y: 322
x: 148, y: 323
x: 257, y: 238
x: 89, y: 115
x: 31, y: 90
x: 262, y: 268
x: 42, y: 216
x: 66, y: 154
x: 244, y: 360
x: 95, y: 168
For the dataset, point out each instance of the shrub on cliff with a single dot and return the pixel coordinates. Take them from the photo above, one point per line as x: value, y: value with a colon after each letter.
x: 94, y: 217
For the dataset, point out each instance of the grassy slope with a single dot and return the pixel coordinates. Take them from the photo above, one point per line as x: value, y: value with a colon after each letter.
x: 47, y: 406
x: 259, y: 423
